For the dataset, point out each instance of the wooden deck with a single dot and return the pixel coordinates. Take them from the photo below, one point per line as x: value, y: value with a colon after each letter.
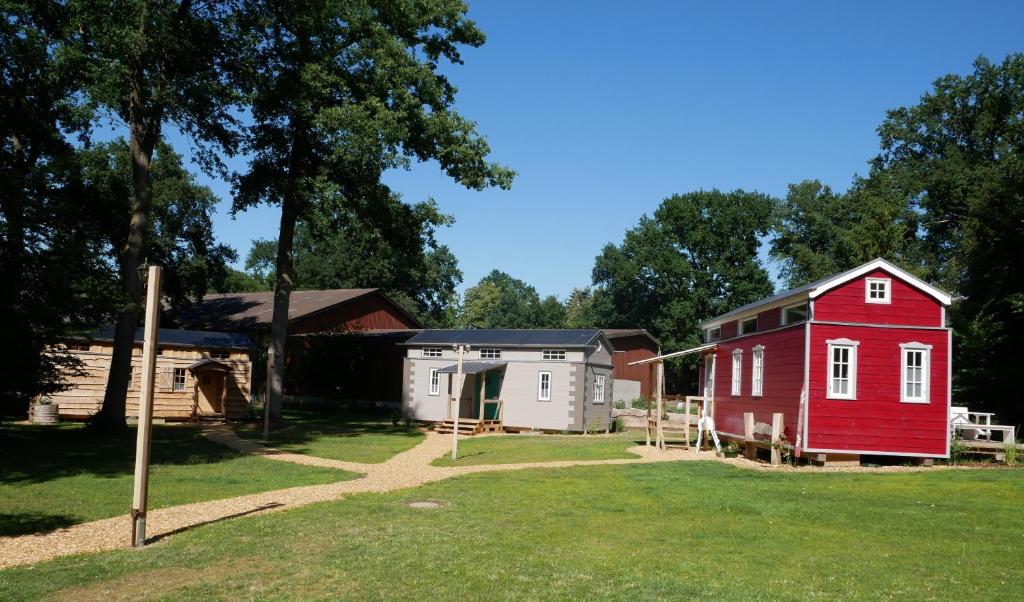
x: 469, y: 426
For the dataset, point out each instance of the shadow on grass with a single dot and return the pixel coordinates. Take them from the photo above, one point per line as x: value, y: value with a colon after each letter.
x: 33, y: 522
x: 303, y: 426
x: 255, y: 510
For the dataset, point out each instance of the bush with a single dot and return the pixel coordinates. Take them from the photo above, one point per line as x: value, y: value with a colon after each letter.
x: 618, y: 425
x: 640, y: 403
x: 619, y: 405
x: 957, y: 450
x: 1010, y: 452
x: 596, y: 426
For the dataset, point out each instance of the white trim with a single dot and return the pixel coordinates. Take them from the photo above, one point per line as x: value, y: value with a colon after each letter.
x: 492, y: 353
x: 740, y: 330
x: 926, y: 369
x: 709, y: 375
x: 949, y: 384
x: 851, y: 368
x: 659, y: 358
x: 431, y: 350
x: 782, y: 312
x: 736, y: 377
x: 870, y: 325
x: 882, y: 264
x: 598, y: 387
x: 757, y: 361
x: 435, y: 382
x: 807, y: 376
x: 871, y: 452
x: 886, y: 298
x: 541, y: 396
x: 552, y: 355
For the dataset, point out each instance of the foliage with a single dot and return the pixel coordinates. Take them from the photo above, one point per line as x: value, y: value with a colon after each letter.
x: 959, y: 154
x: 958, y: 450
x: 500, y: 301
x: 640, y: 403
x: 595, y: 426
x: 618, y: 425
x: 694, y: 259
x: 580, y: 309
x: 1010, y: 452
x: 619, y: 404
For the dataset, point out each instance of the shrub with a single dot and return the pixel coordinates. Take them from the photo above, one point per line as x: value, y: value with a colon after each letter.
x: 596, y: 426
x: 618, y: 425
x: 640, y: 403
x: 1010, y: 452
x: 957, y: 450
x: 619, y: 405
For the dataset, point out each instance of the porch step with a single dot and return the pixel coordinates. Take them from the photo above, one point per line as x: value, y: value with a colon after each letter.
x: 469, y: 427
x: 209, y: 417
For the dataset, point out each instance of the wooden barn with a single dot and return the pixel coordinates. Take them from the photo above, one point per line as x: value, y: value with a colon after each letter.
x: 342, y: 343
x: 631, y: 345
x: 858, y: 364
x: 199, y: 374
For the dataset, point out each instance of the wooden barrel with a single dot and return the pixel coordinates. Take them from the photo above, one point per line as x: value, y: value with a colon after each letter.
x: 45, y: 413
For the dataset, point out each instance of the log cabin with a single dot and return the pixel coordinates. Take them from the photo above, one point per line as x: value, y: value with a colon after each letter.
x: 858, y: 363
x: 199, y: 375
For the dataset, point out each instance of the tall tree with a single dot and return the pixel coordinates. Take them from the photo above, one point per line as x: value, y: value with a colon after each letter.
x: 148, y: 64
x: 959, y: 153
x: 694, y: 259
x: 819, y: 232
x: 343, y: 91
x: 501, y: 301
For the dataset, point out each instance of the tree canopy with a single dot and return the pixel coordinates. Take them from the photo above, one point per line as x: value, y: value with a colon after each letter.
x: 501, y: 301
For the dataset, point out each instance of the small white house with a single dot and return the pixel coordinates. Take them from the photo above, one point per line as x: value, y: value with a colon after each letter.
x: 550, y: 380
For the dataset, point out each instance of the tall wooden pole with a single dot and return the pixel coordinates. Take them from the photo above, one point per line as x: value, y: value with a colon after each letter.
x: 266, y: 395
x: 140, y: 498
x: 660, y: 435
x: 458, y: 404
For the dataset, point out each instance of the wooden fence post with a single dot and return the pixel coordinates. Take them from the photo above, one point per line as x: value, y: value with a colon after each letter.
x: 776, y: 438
x: 140, y: 497
x: 750, y: 449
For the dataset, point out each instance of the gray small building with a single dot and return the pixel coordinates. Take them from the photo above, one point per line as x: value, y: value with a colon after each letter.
x: 552, y: 380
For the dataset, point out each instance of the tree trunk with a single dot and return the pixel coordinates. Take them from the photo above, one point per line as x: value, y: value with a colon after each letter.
x: 142, y: 140
x: 285, y: 283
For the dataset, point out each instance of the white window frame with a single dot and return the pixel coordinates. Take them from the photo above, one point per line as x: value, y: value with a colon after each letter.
x: 552, y: 354
x: 435, y: 382
x: 543, y: 393
x: 887, y: 285
x: 432, y: 352
x: 757, y: 372
x: 490, y: 353
x: 785, y: 308
x: 926, y: 368
x: 737, y: 372
x: 174, y: 379
x: 743, y: 330
x: 851, y: 374
x: 708, y: 338
x: 599, y: 388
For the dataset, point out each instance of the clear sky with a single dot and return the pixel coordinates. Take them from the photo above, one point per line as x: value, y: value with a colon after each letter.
x: 606, y: 108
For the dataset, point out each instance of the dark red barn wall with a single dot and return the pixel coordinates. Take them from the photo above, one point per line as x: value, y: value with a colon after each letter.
x: 631, y: 349
x: 372, y: 312
x: 877, y: 420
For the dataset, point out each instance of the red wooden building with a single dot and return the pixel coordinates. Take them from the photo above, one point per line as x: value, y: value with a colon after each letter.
x: 858, y: 363
x: 631, y: 345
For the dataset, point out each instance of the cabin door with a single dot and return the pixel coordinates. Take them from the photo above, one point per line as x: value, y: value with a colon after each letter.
x: 211, y: 391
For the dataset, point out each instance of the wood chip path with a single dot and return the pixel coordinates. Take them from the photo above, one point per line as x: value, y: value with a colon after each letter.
x: 407, y: 469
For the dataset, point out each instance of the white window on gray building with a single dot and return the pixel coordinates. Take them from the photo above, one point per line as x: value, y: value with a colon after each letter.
x: 435, y: 382
x: 599, y: 388
x: 553, y: 354
x: 544, y: 386
x: 431, y: 352
x: 490, y: 354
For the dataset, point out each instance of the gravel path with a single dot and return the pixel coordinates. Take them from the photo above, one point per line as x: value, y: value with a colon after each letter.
x: 407, y: 469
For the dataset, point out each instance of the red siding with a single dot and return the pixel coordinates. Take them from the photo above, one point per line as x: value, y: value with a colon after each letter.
x: 909, y: 307
x: 770, y: 318
x: 729, y: 329
x: 877, y: 420
x: 783, y: 380
x: 631, y: 349
x: 372, y: 312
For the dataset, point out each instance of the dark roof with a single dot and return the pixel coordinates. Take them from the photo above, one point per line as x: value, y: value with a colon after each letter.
x: 252, y: 311
x: 209, y: 364
x: 506, y: 337
x: 472, y: 367
x: 182, y: 338
x: 620, y: 333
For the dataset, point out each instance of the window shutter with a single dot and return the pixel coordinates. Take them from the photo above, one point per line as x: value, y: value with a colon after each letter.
x: 164, y: 381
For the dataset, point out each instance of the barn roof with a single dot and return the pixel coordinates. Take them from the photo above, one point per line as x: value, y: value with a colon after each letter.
x: 253, y: 311
x: 818, y: 287
x: 619, y: 333
x: 181, y: 338
x: 507, y: 337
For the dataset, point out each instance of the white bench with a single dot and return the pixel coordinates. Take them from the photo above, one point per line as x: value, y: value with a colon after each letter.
x: 977, y: 426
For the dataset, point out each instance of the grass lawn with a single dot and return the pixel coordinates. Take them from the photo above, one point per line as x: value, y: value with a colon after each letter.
x: 682, y: 531
x: 57, y: 476
x: 337, y: 435
x: 509, y: 449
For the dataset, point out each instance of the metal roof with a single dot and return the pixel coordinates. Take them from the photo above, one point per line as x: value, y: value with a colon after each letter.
x: 251, y: 311
x: 182, y: 338
x: 507, y: 337
x: 472, y: 367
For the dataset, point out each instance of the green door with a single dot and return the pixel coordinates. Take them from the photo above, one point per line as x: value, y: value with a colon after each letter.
x: 492, y: 384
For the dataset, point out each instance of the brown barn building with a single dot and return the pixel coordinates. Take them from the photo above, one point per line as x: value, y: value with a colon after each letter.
x: 198, y: 374
x: 342, y: 343
x: 632, y: 344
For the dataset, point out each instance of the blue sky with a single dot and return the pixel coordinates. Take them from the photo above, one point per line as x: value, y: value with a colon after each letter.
x: 606, y: 108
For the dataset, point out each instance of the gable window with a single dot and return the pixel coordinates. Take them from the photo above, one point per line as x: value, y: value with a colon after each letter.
x: 490, y: 354
x: 914, y: 370
x: 431, y: 352
x: 748, y: 326
x: 842, y: 369
x: 737, y: 371
x: 435, y: 382
x: 712, y: 334
x: 179, y: 379
x: 757, y: 372
x: 599, y: 388
x: 544, y: 386
x: 795, y: 313
x: 219, y: 355
x: 877, y: 290
x: 553, y: 354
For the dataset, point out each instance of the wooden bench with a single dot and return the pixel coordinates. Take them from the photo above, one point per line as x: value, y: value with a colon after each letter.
x: 771, y: 437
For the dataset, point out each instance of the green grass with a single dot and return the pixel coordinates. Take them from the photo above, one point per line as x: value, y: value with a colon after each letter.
x: 338, y: 436
x: 682, y: 531
x: 514, y: 449
x: 57, y: 476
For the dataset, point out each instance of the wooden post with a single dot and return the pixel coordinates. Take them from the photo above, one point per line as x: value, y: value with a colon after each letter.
x: 482, y: 377
x: 661, y: 404
x: 776, y: 438
x: 750, y: 450
x: 686, y: 422
x: 458, y: 404
x: 140, y: 497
